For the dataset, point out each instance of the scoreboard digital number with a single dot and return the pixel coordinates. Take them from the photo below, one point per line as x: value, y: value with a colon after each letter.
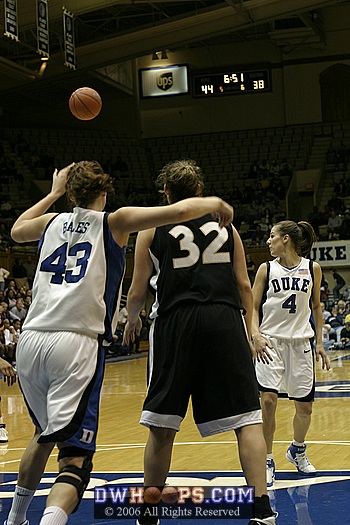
x: 232, y: 83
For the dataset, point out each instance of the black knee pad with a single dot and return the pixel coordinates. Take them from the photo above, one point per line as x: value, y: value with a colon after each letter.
x: 83, y: 473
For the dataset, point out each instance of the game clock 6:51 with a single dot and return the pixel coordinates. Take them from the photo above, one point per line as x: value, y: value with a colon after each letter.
x: 232, y: 83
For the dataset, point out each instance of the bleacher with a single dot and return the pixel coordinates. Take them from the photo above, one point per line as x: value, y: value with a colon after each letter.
x: 224, y: 156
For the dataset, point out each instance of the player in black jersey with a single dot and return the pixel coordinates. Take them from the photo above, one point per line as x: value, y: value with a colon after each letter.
x: 199, y: 339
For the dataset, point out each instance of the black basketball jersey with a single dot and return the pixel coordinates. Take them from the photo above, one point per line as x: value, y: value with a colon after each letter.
x: 193, y: 263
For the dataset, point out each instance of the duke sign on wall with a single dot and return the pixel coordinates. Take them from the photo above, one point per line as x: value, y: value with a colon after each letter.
x: 331, y: 253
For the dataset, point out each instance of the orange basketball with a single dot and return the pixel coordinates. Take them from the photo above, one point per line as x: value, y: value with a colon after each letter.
x: 85, y: 103
x: 152, y: 495
x: 169, y: 495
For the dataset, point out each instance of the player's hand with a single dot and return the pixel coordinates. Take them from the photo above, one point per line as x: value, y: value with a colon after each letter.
x: 261, y: 347
x: 8, y: 372
x: 131, y: 330
x: 59, y: 180
x: 224, y: 215
x: 321, y: 352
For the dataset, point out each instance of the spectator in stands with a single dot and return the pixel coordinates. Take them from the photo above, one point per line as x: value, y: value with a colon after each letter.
x: 257, y: 235
x: 236, y: 195
x: 5, y: 237
x: 324, y: 288
x: 274, y: 168
x: 18, y: 312
x: 341, y: 189
x: 286, y: 169
x: 30, y: 266
x: 253, y: 169
x: 250, y: 268
x: 326, y: 339
x: 10, y: 298
x: 344, y: 230
x: 268, y: 217
x: 6, y: 210
x: 325, y: 312
x: 19, y: 273
x: 337, y: 322
x: 342, y: 308
x: 339, y: 284
x: 4, y: 273
x: 335, y: 203
x: 10, y: 341
x: 5, y: 314
x: 264, y: 169
x: 276, y: 186
x: 334, y: 224
x: 345, y: 335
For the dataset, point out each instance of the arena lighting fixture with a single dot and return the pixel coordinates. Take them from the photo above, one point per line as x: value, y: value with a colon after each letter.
x: 44, y: 59
x: 163, y: 55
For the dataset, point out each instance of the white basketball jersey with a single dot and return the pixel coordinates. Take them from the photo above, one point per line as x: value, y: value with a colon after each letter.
x: 286, y: 306
x: 78, y: 276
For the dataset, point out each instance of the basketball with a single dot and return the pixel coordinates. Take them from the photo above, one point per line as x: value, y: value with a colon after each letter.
x: 152, y: 495
x: 169, y: 495
x: 85, y: 103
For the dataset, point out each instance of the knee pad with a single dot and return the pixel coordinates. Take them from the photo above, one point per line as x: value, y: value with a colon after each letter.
x: 83, y: 473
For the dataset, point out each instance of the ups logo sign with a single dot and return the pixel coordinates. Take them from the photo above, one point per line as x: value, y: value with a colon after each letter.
x: 165, y: 81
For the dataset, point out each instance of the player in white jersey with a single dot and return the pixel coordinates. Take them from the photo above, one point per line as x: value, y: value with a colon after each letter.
x: 287, y: 319
x: 60, y: 355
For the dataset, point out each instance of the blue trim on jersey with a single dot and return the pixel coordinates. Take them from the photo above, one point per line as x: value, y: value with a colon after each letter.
x: 115, y: 266
x: 41, y: 240
x: 264, y: 296
x: 86, y: 416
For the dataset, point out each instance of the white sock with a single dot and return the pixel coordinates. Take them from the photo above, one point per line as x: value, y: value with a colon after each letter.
x: 54, y: 516
x: 20, y: 503
x: 269, y: 456
x: 297, y: 444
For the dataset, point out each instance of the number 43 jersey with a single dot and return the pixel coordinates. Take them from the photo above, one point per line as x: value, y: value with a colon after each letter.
x: 78, y: 276
x: 193, y: 263
x: 286, y: 306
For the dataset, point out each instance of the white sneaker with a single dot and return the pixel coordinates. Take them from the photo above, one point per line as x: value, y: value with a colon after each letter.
x: 148, y: 522
x: 297, y: 456
x: 270, y: 472
x: 271, y: 520
x: 3, y: 433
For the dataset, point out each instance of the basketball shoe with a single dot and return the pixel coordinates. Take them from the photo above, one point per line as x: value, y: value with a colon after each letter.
x: 147, y: 521
x: 297, y: 456
x: 3, y: 433
x: 270, y: 472
x: 271, y: 520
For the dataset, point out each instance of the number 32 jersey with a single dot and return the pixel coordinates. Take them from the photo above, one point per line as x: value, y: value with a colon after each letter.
x: 286, y: 306
x: 78, y: 276
x: 193, y: 263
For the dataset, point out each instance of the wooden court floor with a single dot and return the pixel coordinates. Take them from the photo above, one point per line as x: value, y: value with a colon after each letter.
x: 121, y: 439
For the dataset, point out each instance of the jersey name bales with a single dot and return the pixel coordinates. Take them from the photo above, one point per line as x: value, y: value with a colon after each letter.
x: 81, y: 227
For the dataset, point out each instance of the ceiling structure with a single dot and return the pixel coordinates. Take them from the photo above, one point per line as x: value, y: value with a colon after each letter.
x: 110, y: 32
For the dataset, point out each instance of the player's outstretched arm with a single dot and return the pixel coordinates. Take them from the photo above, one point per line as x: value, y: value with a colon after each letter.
x: 30, y: 224
x: 137, y: 294
x: 133, y: 219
